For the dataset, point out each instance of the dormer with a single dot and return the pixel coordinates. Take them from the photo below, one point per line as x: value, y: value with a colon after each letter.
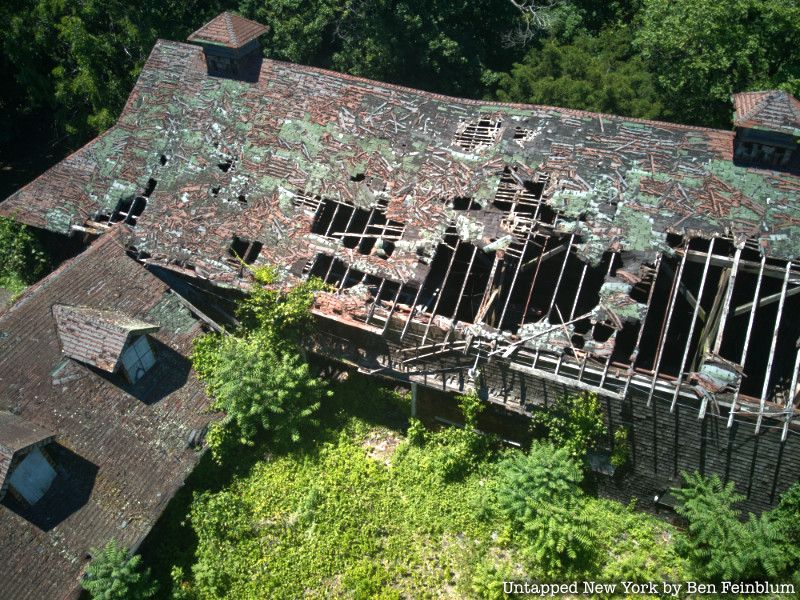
x: 107, y: 340
x: 26, y: 470
x: 230, y: 44
x: 767, y: 128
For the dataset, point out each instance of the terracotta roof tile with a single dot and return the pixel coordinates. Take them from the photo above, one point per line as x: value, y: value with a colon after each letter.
x: 96, y: 337
x: 121, y: 450
x: 229, y: 30
x: 773, y: 110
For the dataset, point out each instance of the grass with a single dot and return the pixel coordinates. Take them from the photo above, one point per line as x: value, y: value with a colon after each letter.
x: 359, y: 513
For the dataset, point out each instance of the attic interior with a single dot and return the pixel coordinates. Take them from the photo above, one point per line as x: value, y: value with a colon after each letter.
x: 700, y: 318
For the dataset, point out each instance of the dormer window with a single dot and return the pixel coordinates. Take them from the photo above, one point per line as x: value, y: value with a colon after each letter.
x: 26, y: 471
x: 137, y: 358
x: 106, y: 340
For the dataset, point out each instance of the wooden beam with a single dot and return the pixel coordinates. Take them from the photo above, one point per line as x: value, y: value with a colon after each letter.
x: 773, y: 346
x: 747, y: 337
x: 766, y: 300
x: 746, y: 266
x: 692, y: 326
x: 676, y: 283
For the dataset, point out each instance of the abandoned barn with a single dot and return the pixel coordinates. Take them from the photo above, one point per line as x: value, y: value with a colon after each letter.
x: 525, y: 250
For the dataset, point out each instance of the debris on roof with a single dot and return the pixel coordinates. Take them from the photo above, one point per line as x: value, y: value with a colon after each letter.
x: 447, y: 225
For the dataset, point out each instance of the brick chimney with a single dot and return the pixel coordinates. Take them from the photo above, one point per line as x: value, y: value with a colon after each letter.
x: 230, y: 43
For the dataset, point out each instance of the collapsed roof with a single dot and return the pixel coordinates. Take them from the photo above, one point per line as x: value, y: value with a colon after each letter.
x: 605, y: 252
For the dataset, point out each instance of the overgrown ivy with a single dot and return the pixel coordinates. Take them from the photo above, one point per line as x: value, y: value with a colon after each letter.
x: 574, y: 422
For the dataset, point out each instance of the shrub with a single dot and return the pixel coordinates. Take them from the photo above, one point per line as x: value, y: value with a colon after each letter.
x: 788, y: 514
x: 416, y: 432
x: 540, y: 494
x: 460, y: 450
x: 621, y: 451
x: 574, y: 422
x: 488, y: 578
x: 114, y: 574
x: 258, y: 377
x: 718, y: 544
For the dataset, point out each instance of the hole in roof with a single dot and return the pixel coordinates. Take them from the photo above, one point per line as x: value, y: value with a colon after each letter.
x: 163, y: 159
x: 358, y: 177
x: 463, y: 203
x: 245, y: 250
x: 477, y: 135
x: 369, y: 231
x: 215, y: 190
x: 241, y: 199
x: 128, y: 210
x: 225, y: 166
x: 151, y: 186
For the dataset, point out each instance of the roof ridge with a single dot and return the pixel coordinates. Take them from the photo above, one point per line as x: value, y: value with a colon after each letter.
x: 229, y: 26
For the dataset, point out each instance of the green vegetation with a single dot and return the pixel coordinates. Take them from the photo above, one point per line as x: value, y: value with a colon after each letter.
x: 75, y: 62
x: 360, y: 511
x: 764, y: 545
x: 455, y: 452
x: 258, y: 376
x: 573, y: 422
x: 703, y: 50
x: 22, y: 260
x: 115, y: 575
x: 540, y: 495
x: 600, y: 72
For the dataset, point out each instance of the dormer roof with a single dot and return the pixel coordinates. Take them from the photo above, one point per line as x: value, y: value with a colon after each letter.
x: 771, y: 110
x: 96, y: 337
x: 17, y: 436
x: 228, y: 30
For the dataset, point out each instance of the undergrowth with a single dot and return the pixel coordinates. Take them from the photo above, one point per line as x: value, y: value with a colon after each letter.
x: 361, y: 512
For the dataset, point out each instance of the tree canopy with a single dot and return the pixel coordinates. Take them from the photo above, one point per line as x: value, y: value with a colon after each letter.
x: 702, y: 51
x: 74, y: 63
x: 593, y: 72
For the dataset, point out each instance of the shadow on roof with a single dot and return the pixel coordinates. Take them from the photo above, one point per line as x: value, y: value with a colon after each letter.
x: 69, y: 492
x: 168, y: 375
x: 249, y: 70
